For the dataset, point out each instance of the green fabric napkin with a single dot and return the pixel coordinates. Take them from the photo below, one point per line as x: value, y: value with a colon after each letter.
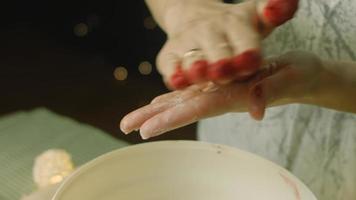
x: 25, y: 135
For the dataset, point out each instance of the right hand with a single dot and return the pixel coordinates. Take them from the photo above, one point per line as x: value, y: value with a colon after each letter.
x: 214, y: 41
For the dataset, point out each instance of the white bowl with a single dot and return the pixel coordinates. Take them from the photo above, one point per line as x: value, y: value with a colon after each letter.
x: 181, y: 170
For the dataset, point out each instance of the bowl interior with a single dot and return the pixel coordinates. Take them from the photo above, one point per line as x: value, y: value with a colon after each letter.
x: 181, y: 170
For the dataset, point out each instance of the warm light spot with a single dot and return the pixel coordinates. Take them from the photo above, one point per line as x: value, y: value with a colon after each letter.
x: 120, y: 73
x: 149, y: 23
x: 81, y: 30
x: 145, y: 68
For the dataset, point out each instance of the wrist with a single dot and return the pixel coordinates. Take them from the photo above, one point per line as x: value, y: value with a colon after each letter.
x: 307, y: 81
x: 319, y: 82
x: 337, y: 85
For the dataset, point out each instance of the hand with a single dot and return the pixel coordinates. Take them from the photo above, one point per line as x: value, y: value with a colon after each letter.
x: 213, y: 41
x: 183, y: 107
x: 295, y: 77
x: 287, y: 79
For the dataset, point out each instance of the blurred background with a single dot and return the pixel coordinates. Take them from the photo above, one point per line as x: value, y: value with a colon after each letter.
x: 93, y: 61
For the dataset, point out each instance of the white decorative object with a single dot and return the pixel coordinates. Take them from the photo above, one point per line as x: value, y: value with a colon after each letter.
x: 49, y: 170
x: 51, y: 167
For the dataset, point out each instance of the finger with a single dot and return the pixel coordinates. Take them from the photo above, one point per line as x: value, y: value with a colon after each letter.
x: 168, y: 60
x: 204, y: 105
x: 179, y: 80
x: 247, y: 64
x: 245, y: 42
x: 257, y: 103
x: 218, y: 53
x: 170, y: 119
x: 180, y: 115
x: 165, y: 97
x: 169, y: 65
x: 276, y: 12
x: 171, y: 95
x: 273, y: 87
x: 195, y: 64
x: 135, y: 119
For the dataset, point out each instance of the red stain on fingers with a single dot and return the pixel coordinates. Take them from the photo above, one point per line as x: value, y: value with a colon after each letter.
x: 198, y: 71
x: 247, y: 64
x: 278, y: 12
x: 179, y: 79
x: 221, y: 70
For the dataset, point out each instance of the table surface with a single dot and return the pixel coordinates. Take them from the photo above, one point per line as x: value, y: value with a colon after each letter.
x: 25, y: 135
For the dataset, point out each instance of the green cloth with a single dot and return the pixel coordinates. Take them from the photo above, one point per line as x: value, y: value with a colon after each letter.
x: 25, y: 135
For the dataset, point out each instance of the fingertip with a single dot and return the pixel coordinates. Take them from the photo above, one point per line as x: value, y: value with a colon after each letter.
x: 124, y: 127
x: 179, y: 80
x: 261, y: 27
x: 221, y: 70
x: 144, y: 137
x: 198, y: 71
x: 168, y: 85
x: 257, y: 103
x: 143, y: 132
x: 148, y: 131
x: 277, y: 12
x: 247, y: 63
x: 256, y: 115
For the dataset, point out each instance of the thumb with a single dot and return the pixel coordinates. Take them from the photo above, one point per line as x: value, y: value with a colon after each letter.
x: 268, y: 90
x: 273, y: 13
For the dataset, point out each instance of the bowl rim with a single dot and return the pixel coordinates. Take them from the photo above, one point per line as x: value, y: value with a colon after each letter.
x: 172, y: 144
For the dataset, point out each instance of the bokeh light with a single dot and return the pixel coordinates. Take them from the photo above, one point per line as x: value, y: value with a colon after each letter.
x: 149, y: 23
x: 145, y: 68
x: 81, y: 29
x: 120, y: 73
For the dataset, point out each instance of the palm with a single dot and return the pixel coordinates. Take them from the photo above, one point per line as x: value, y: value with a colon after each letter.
x: 180, y: 108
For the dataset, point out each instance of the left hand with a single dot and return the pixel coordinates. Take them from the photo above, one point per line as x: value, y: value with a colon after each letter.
x: 183, y: 107
x: 290, y: 78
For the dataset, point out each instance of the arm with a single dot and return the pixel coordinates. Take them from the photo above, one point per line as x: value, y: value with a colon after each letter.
x: 296, y: 77
x: 337, y: 87
x: 301, y: 77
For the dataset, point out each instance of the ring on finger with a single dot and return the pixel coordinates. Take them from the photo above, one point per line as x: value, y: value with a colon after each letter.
x: 192, y: 56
